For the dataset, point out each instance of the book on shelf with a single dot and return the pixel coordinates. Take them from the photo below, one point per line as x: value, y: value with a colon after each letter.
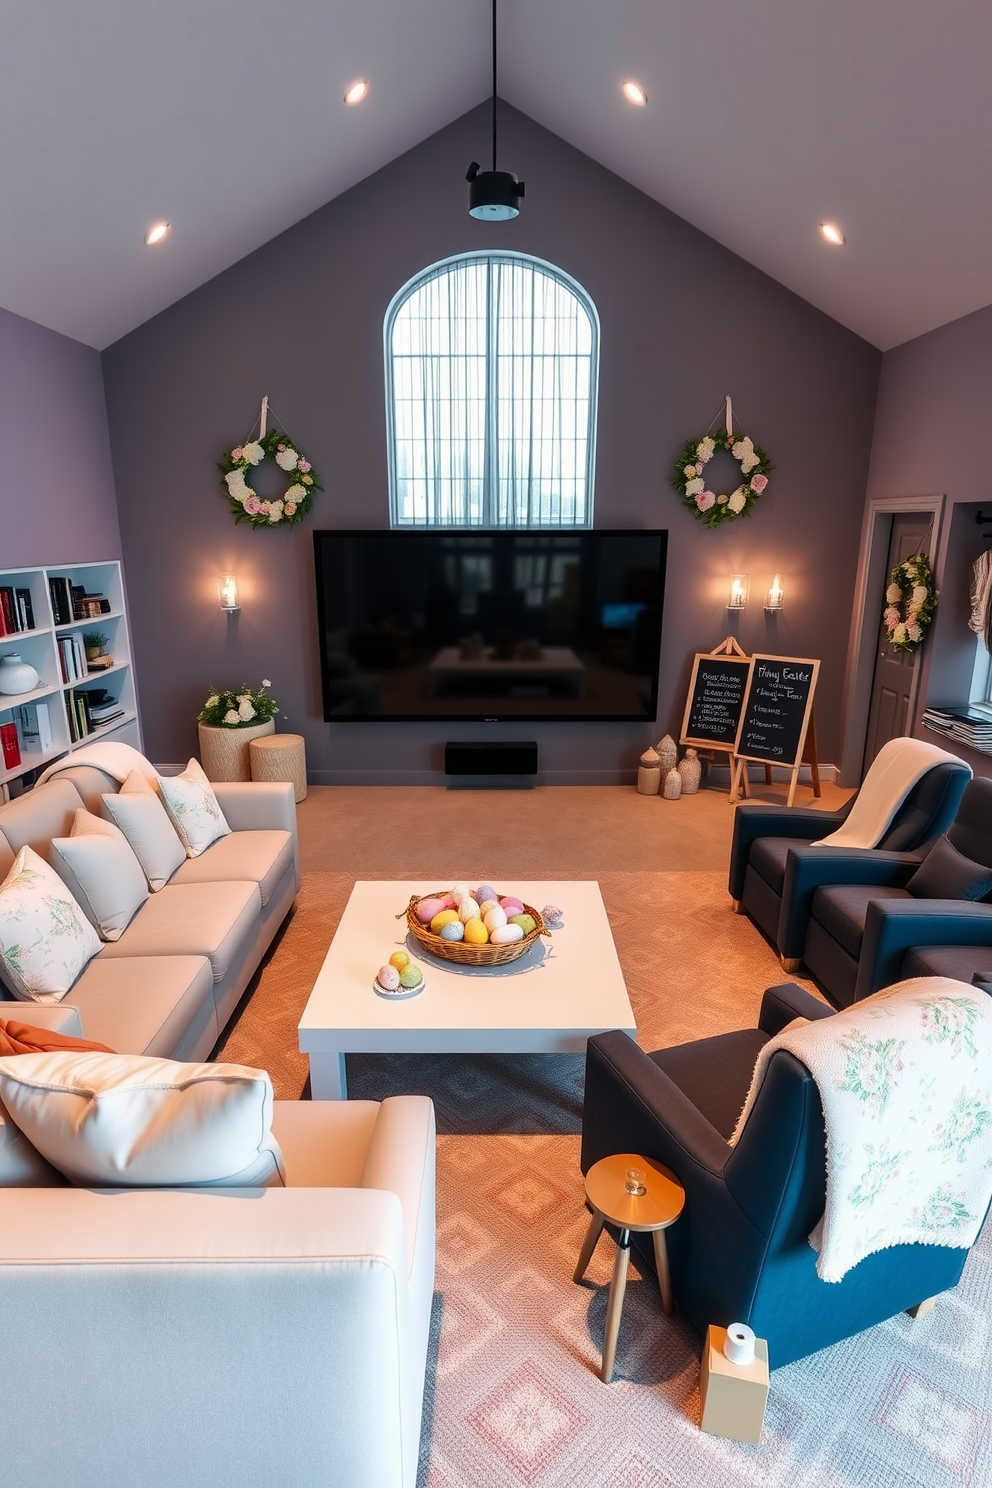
x: 60, y: 591
x: 11, y: 621
x: 10, y: 746
x: 34, y: 725
x: 25, y: 609
x: 964, y: 722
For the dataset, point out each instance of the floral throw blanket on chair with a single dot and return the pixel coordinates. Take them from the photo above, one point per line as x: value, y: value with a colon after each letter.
x: 905, y: 1080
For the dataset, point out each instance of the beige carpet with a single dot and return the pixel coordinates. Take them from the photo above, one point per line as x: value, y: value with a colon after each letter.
x: 512, y: 1395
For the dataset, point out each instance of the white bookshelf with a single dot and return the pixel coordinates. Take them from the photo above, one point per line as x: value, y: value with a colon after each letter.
x: 39, y: 646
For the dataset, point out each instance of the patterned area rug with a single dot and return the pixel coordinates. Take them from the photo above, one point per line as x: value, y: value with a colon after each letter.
x: 513, y: 1397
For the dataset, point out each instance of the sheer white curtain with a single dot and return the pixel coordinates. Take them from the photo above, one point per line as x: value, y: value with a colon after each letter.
x: 491, y: 368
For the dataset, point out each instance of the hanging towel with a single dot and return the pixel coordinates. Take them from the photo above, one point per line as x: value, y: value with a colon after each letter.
x: 905, y: 1081
x: 114, y: 759
x: 894, y: 771
x: 981, y: 598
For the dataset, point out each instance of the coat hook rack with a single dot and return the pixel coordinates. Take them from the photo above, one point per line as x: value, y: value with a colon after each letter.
x: 981, y: 519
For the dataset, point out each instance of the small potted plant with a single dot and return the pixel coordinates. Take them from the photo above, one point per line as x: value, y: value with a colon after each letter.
x: 227, y: 723
x: 95, y: 643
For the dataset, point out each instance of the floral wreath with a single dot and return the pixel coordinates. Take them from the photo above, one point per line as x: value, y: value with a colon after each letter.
x: 910, y: 601
x: 288, y: 509
x: 707, y: 506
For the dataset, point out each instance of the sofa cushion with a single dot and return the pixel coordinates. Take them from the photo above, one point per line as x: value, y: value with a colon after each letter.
x: 45, y: 938
x: 145, y: 1004
x: 139, y: 813
x: 768, y: 857
x: 123, y: 1119
x: 962, y: 963
x: 947, y: 874
x: 193, y: 810
x: 210, y: 919
x: 324, y: 1144
x: 843, y: 908
x: 255, y: 857
x: 101, y: 872
x: 39, y: 815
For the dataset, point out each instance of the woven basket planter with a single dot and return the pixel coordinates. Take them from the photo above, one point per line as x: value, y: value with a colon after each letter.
x: 224, y: 751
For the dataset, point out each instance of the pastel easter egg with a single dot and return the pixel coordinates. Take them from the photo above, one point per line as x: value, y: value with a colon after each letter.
x: 448, y: 901
x: 468, y: 910
x: 399, y: 959
x: 485, y: 905
x: 411, y: 976
x: 459, y: 892
x: 525, y: 921
x: 476, y: 932
x: 454, y: 930
x: 445, y: 917
x: 388, y: 978
x: 486, y: 891
x: 506, y: 934
x: 495, y: 919
x: 511, y: 905
x: 552, y: 916
x: 428, y: 908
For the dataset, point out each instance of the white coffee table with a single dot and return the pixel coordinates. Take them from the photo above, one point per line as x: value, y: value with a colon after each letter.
x: 547, y: 1002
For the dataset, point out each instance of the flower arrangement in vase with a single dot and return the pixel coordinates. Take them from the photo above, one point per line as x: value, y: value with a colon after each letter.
x: 227, y: 723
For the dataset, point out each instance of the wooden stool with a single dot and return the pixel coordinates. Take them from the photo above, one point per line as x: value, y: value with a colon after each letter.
x: 652, y: 1212
x: 281, y: 757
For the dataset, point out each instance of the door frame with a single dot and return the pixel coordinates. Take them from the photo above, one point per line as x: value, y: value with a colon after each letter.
x: 875, y: 533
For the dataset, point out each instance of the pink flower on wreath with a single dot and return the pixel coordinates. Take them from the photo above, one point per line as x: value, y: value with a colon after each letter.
x: 891, y: 617
x: 253, y: 506
x: 699, y: 468
x: 758, y: 483
x: 237, y: 453
x: 705, y: 500
x: 303, y: 464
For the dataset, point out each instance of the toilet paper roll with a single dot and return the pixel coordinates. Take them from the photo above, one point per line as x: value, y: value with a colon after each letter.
x: 739, y: 1344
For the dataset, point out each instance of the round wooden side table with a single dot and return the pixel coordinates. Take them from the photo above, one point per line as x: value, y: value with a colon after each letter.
x: 281, y: 757
x: 611, y: 1187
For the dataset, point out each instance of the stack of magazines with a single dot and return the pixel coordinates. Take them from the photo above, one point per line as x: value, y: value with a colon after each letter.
x: 970, y: 725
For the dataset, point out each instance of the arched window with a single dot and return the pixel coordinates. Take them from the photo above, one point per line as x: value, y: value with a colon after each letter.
x: 492, y: 362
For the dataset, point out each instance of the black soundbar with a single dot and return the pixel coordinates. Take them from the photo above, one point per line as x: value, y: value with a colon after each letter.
x: 512, y: 758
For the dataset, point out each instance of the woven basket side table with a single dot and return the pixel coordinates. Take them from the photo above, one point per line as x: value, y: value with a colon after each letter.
x: 281, y: 757
x: 224, y: 751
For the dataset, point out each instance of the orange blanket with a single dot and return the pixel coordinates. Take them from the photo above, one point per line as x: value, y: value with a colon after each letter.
x: 23, y: 1038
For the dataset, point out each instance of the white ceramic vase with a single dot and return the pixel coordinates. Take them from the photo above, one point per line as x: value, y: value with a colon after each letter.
x: 224, y: 751
x: 16, y: 676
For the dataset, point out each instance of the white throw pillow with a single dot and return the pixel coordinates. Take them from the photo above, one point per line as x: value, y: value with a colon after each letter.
x: 102, y: 873
x: 193, y: 810
x: 45, y: 938
x: 139, y: 813
x: 125, y: 1119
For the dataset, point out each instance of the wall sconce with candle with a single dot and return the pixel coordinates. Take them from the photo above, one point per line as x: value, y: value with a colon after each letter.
x: 737, y: 597
x: 775, y: 597
x: 227, y: 589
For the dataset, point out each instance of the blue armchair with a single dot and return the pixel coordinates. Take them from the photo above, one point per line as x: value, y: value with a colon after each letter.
x: 739, y: 1251
x: 775, y: 871
x: 859, y: 928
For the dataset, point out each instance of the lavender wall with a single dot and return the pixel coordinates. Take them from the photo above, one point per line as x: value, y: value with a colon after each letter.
x: 58, y: 490
x: 683, y: 322
x: 933, y: 407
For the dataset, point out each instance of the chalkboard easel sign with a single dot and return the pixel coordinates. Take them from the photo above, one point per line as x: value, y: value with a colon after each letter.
x: 716, y: 699
x: 777, y: 709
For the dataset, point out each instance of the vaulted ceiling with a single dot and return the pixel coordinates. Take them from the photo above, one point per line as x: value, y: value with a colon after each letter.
x: 764, y: 117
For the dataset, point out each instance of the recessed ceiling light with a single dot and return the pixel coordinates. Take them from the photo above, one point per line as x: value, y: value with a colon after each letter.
x: 634, y: 93
x: 157, y: 233
x: 831, y: 233
x: 357, y: 91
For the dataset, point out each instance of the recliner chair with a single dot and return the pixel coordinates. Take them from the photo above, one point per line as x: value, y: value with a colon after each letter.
x: 739, y: 1251
x: 776, y: 867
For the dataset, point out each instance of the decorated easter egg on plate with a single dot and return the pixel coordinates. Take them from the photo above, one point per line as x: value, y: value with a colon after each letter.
x: 552, y: 916
x: 506, y: 934
x: 399, y: 959
x: 388, y: 978
x: 495, y: 918
x: 445, y: 917
x: 468, y: 910
x: 428, y: 908
x: 476, y: 932
x: 411, y: 976
x: 454, y: 930
x: 526, y: 922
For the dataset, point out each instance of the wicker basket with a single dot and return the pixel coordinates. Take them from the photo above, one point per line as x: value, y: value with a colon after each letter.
x: 469, y: 955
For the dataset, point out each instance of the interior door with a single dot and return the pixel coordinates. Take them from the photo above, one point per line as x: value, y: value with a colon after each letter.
x: 894, y: 674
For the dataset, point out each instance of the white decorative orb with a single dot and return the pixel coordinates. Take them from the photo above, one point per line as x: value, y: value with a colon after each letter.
x: 16, y: 675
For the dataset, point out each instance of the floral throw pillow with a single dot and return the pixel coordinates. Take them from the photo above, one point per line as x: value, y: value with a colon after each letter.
x: 45, y: 938
x: 193, y: 810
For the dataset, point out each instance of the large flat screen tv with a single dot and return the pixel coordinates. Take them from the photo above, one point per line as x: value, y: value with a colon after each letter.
x: 487, y: 625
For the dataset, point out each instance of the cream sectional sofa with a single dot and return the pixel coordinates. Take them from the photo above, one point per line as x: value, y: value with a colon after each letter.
x: 169, y: 985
